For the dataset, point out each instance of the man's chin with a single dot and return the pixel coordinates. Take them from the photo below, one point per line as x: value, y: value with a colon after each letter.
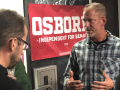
x: 11, y: 66
x: 90, y: 35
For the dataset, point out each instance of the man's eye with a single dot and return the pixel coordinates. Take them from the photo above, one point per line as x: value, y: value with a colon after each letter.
x: 84, y: 20
x: 89, y: 20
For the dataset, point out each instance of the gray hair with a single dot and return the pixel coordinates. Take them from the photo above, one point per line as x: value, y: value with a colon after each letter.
x: 98, y: 7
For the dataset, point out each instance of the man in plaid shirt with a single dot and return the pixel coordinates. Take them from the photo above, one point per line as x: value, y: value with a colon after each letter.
x: 94, y: 62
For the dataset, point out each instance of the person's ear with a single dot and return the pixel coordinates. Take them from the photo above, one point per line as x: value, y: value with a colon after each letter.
x: 103, y: 21
x: 13, y: 43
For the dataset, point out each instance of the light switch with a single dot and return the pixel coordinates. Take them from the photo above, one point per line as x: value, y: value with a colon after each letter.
x: 45, y: 76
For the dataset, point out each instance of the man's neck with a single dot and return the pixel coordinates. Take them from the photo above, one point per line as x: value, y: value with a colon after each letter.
x: 100, y: 38
x: 97, y: 43
x: 3, y: 59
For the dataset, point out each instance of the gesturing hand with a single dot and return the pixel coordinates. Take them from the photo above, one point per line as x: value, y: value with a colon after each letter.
x: 108, y: 84
x: 74, y: 84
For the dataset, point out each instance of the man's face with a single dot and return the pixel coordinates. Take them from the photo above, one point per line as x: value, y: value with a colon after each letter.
x: 92, y: 23
x: 15, y: 57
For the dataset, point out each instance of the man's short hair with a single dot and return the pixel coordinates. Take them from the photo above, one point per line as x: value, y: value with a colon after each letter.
x: 98, y: 7
x: 11, y: 25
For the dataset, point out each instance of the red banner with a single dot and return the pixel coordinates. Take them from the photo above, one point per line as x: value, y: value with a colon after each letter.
x: 54, y: 29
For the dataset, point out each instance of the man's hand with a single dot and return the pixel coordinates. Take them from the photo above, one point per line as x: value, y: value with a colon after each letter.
x: 108, y: 84
x: 74, y: 84
x: 11, y: 75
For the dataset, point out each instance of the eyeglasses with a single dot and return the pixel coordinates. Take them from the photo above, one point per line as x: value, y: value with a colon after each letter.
x: 26, y: 45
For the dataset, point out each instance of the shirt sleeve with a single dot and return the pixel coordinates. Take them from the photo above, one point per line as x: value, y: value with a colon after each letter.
x: 66, y: 75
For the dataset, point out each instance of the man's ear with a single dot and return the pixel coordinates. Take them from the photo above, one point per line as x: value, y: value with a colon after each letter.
x: 103, y: 21
x: 13, y: 43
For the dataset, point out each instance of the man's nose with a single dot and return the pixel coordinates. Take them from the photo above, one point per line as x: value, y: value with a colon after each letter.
x: 86, y: 24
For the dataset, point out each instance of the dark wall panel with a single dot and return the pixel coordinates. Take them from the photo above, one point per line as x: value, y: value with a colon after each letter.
x: 112, y: 15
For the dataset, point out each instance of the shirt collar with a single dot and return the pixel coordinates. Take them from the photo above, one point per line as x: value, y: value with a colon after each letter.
x: 110, y: 40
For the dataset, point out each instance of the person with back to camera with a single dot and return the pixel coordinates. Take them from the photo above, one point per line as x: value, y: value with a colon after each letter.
x: 94, y: 62
x: 13, y: 33
x: 19, y: 74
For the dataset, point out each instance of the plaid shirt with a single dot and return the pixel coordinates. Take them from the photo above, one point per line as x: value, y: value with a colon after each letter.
x: 94, y: 59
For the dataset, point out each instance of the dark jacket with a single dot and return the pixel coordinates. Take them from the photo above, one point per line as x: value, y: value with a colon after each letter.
x: 7, y: 83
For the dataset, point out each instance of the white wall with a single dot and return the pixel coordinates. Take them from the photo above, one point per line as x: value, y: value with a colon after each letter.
x: 13, y: 4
